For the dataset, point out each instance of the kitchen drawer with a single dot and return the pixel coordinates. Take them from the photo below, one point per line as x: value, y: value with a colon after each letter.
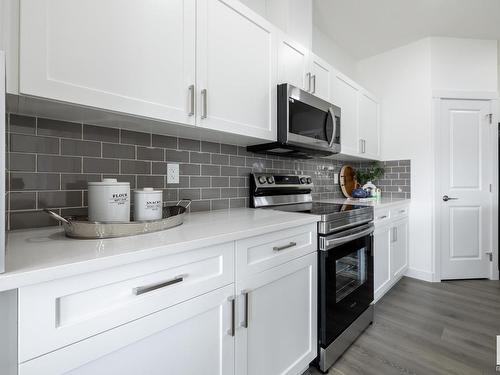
x: 58, y: 313
x: 257, y: 254
x: 382, y: 215
x: 399, y: 212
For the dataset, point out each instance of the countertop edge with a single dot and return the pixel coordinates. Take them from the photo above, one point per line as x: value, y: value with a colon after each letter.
x: 20, y: 278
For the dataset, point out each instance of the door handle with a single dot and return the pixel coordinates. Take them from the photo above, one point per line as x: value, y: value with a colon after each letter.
x: 308, y: 77
x: 232, y: 330
x: 204, y: 103
x: 314, y: 84
x: 244, y: 324
x: 191, y: 101
x: 447, y: 198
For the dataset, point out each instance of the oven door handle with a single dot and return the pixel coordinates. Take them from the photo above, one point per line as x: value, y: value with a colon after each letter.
x: 334, y: 242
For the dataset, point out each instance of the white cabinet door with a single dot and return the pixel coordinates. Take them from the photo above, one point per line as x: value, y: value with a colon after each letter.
x: 345, y: 95
x: 399, y: 248
x: 369, y: 126
x: 236, y: 69
x: 129, y: 56
x: 381, y: 260
x: 320, y: 80
x: 281, y: 332
x: 190, y: 338
x: 293, y: 64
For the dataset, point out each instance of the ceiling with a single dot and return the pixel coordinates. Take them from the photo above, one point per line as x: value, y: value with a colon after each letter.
x: 368, y: 27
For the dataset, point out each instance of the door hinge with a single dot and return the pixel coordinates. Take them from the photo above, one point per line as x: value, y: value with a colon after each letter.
x: 491, y: 118
x: 490, y: 255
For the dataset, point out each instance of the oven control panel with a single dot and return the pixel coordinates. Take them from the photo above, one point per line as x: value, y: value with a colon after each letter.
x: 270, y: 180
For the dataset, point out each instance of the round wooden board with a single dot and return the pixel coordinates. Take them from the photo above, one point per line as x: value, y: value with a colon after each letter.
x: 347, y: 180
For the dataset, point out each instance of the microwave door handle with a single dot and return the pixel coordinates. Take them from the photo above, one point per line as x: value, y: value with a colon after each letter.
x: 334, y: 129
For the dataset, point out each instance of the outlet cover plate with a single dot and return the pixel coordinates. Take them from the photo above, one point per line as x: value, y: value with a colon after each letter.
x: 336, y: 178
x: 172, y: 173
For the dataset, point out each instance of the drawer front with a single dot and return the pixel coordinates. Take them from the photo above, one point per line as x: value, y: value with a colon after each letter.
x: 399, y: 212
x: 257, y: 254
x: 61, y: 312
x: 382, y: 215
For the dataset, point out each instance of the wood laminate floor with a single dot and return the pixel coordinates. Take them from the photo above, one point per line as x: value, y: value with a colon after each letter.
x: 429, y: 328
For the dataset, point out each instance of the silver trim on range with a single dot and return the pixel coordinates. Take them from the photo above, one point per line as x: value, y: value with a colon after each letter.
x: 328, y: 356
x: 278, y: 200
x: 337, y: 239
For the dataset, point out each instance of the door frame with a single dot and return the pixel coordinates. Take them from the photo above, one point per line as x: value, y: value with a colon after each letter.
x: 437, y: 98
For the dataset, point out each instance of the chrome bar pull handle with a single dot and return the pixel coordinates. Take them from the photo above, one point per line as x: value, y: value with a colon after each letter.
x: 232, y: 330
x: 314, y: 84
x: 279, y: 248
x: 149, y: 288
x: 191, y: 100
x: 244, y: 324
x: 308, y: 77
x: 204, y: 106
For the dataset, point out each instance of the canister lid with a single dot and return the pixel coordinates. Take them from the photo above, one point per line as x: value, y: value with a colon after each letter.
x: 147, y: 190
x: 109, y: 182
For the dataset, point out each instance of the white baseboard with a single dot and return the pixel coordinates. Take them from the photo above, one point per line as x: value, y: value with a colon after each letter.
x: 420, y: 274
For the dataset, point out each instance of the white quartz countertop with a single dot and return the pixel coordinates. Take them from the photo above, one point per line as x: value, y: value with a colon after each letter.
x: 383, y: 202
x: 37, y: 255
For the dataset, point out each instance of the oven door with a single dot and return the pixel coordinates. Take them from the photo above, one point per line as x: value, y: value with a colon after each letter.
x: 310, y: 121
x: 345, y: 280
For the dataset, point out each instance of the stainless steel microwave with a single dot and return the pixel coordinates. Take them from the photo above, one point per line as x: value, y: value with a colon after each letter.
x: 308, y: 126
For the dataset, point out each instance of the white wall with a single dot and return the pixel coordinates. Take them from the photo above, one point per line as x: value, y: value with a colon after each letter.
x: 404, y: 79
x: 326, y: 48
x: 464, y: 64
x: 401, y: 78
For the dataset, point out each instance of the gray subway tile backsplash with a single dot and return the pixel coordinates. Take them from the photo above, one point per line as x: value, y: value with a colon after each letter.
x: 51, y: 162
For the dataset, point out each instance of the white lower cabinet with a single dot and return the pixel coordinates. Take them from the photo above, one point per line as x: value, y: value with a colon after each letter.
x: 189, y: 313
x: 277, y: 318
x: 191, y: 338
x: 391, y: 248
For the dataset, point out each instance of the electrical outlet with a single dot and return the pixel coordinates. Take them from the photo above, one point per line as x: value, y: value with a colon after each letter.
x: 336, y: 178
x: 172, y: 173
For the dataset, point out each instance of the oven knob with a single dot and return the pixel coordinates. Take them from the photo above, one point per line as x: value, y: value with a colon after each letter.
x: 309, y: 180
x: 262, y: 180
x: 270, y: 179
x: 303, y: 180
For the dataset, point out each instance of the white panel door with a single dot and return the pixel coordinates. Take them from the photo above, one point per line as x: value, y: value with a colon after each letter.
x: 369, y: 126
x: 345, y: 95
x: 293, y: 64
x: 464, y: 193
x: 129, y: 56
x: 281, y: 331
x: 191, y: 338
x: 236, y: 70
x: 381, y: 259
x: 320, y: 80
x: 399, y: 248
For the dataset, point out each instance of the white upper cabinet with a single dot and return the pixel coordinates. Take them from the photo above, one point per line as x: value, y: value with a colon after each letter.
x: 120, y: 55
x: 369, y: 126
x: 360, y: 129
x: 345, y: 95
x: 236, y: 69
x: 293, y: 64
x: 321, y: 73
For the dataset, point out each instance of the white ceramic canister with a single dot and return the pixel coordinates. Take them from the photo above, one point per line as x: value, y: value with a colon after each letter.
x: 148, y: 204
x: 109, y: 201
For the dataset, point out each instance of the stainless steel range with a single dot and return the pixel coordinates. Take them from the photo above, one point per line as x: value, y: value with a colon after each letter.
x: 345, y: 259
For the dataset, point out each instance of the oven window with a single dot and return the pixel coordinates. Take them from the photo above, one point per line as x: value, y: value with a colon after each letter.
x: 350, y: 273
x: 307, y: 121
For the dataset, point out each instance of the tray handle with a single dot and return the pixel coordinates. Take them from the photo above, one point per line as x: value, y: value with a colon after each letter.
x: 56, y: 216
x: 184, y: 203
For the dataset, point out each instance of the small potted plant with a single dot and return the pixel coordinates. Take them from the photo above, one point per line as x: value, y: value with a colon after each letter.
x: 364, y: 178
